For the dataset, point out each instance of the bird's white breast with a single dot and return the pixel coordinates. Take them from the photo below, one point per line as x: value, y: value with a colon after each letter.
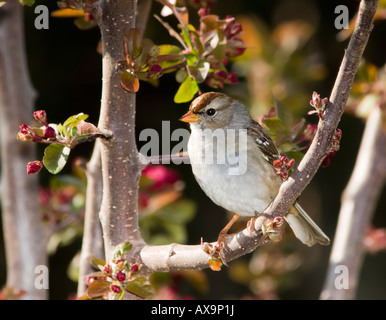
x: 229, y: 172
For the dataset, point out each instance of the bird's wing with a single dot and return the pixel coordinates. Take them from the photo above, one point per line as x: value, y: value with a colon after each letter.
x: 263, y: 142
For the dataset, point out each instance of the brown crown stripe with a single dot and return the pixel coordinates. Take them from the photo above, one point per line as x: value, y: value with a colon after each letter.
x: 202, y: 101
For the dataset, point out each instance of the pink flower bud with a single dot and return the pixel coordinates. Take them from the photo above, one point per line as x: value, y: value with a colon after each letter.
x: 134, y: 268
x: 203, y: 12
x: 121, y: 276
x: 41, y: 117
x: 220, y: 74
x: 155, y: 68
x: 327, y: 160
x: 49, y: 132
x: 25, y: 133
x: 310, y: 131
x: 107, y: 269
x: 232, y: 78
x: 116, y: 289
x: 34, y: 166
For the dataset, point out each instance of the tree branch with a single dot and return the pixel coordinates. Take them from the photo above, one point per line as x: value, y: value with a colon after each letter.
x: 92, y: 243
x: 25, y: 244
x: 120, y: 160
x: 176, y: 257
x: 358, y: 204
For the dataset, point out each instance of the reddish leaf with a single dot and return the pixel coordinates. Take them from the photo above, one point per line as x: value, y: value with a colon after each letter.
x: 212, y: 22
x: 98, y: 288
x: 86, y: 128
x: 129, y: 82
x: 133, y: 41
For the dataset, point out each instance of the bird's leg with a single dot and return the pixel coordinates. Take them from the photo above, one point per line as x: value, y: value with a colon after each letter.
x: 224, y: 232
x: 251, y: 225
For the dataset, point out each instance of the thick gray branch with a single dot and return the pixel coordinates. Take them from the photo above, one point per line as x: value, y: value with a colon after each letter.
x: 120, y: 160
x: 25, y: 244
x: 358, y: 204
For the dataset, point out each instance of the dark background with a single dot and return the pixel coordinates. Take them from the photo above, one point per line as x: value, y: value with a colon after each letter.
x: 65, y: 70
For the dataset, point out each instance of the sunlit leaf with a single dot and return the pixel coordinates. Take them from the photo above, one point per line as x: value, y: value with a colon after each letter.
x: 74, y: 120
x: 169, y: 56
x: 55, y: 157
x: 186, y: 91
x: 67, y: 13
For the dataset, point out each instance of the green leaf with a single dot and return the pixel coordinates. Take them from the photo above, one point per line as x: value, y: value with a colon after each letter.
x: 27, y: 2
x: 98, y: 262
x: 122, y: 249
x: 169, y: 56
x: 140, y: 287
x: 186, y: 91
x: 98, y: 288
x: 74, y: 120
x: 200, y: 71
x: 62, y: 130
x: 55, y: 157
x: 181, y: 75
x: 166, y: 49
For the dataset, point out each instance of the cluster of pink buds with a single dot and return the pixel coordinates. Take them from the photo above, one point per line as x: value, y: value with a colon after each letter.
x: 234, y: 47
x: 283, y: 166
x: 375, y: 240
x: 318, y: 104
x: 34, y: 166
x: 272, y: 229
x: 334, y: 148
x: 32, y: 134
x: 219, y: 78
x: 120, y: 272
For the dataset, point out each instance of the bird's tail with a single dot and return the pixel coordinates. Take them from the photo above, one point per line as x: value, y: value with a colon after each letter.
x: 305, y: 229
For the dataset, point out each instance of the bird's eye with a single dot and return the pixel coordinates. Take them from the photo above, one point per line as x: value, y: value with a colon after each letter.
x: 210, y: 112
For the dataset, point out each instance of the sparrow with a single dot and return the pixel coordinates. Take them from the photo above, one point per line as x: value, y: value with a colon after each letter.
x: 232, y: 160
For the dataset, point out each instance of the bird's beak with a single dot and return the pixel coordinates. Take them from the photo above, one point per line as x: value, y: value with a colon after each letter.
x: 190, y: 117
